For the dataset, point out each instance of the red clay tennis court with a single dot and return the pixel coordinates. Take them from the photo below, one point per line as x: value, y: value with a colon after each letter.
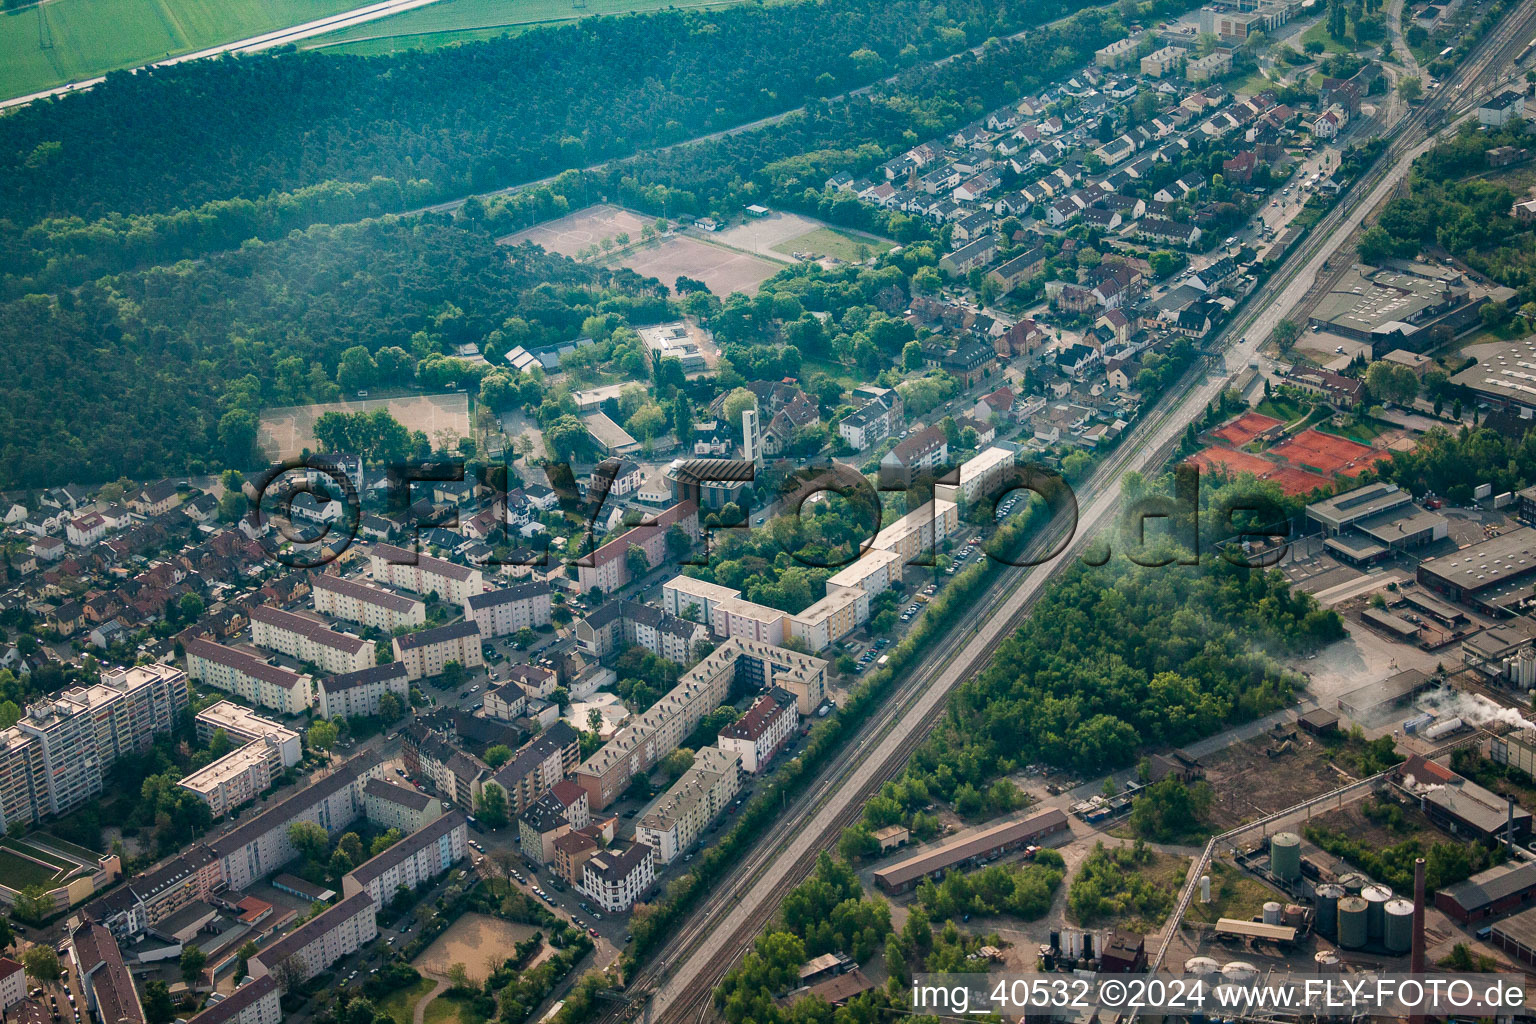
x: 1326, y: 453
x: 1245, y: 428
x: 1290, y: 480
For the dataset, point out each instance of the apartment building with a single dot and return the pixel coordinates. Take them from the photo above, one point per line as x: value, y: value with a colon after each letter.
x: 829, y: 620
x: 242, y: 726
x: 402, y: 807
x: 13, y: 983
x: 507, y: 702
x: 357, y: 693
x: 412, y: 862
x: 615, y: 880
x: 309, y: 640
x: 429, y: 756
x: 427, y: 653
x: 676, y: 819
x: 538, y: 766
x: 607, y: 568
x: 1118, y: 53
x: 102, y: 976
x: 692, y: 599
x: 237, y: 777
x: 509, y: 609
x: 255, y: 1002
x: 319, y: 942
x: 384, y: 610
x: 1160, y: 62
x: 56, y: 755
x: 872, y: 573
x: 563, y: 809
x: 247, y: 674
x: 1213, y: 65
x: 572, y: 851
x: 617, y: 624
x: 762, y: 730
x: 653, y: 735
x: 146, y: 899
x: 738, y: 617
x: 920, y: 530
x: 878, y: 418
x: 423, y: 574
x: 260, y: 845
x: 978, y: 477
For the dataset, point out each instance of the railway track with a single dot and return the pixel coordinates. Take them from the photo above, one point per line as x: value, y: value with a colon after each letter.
x: 727, y: 924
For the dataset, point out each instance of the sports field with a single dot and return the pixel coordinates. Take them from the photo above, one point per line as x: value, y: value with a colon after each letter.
x: 724, y: 270
x: 1327, y: 453
x: 285, y: 432
x: 843, y: 245
x: 570, y: 234
x: 49, y: 44
x: 1245, y: 428
x: 459, y: 21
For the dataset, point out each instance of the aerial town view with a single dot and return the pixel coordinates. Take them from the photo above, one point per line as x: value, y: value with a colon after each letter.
x: 812, y: 512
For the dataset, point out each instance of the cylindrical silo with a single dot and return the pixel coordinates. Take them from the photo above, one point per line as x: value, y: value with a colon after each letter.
x: 1326, y: 961
x: 1272, y: 912
x: 1397, y: 926
x: 1285, y: 856
x: 1352, y: 926
x: 1240, y: 972
x: 1353, y: 883
x: 1202, y: 967
x: 1293, y: 915
x: 1376, y: 897
x: 1205, y: 888
x: 1328, y: 897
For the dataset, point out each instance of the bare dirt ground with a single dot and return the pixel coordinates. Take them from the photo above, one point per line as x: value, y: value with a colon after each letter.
x: 572, y: 233
x: 1249, y: 783
x: 287, y: 431
x: 723, y: 270
x: 477, y: 941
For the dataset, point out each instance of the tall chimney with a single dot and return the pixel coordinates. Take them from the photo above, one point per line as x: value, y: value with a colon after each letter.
x: 1416, y: 962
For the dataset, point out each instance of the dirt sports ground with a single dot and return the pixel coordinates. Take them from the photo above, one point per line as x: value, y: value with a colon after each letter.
x: 286, y: 432
x: 474, y: 940
x: 723, y: 269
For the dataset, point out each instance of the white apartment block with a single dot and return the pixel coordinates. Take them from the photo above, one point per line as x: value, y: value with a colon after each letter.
x: 509, y: 609
x: 242, y: 726
x: 354, y: 694
x: 656, y: 733
x: 246, y: 674
x: 830, y: 619
x: 978, y: 477
x: 920, y: 530
x: 616, y: 880
x: 366, y: 605
x: 13, y: 983
x: 258, y: 1001
x: 748, y: 620
x: 730, y: 615
x: 758, y: 734
x: 872, y: 573
x: 259, y: 846
x: 426, y: 653
x: 1160, y: 62
x: 423, y: 574
x: 237, y: 777
x: 505, y: 702
x: 607, y: 567
x: 688, y: 598
x: 310, y: 640
x: 55, y: 757
x: 413, y: 861
x: 319, y: 942
x: 402, y: 807
x: 677, y: 818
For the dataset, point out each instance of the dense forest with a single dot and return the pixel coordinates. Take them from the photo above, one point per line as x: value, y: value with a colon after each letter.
x: 1113, y: 659
x: 164, y: 370
x: 466, y: 118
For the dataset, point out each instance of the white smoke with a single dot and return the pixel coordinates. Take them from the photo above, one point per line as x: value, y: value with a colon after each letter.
x: 1473, y: 708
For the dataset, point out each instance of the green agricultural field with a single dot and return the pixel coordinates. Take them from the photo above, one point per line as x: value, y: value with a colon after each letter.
x: 59, y: 41
x: 843, y: 245
x: 459, y: 21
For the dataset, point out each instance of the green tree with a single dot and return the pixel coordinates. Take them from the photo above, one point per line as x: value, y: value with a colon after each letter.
x: 677, y: 762
x: 41, y: 963
x: 10, y: 714
x: 309, y: 839
x: 491, y: 805
x: 34, y: 904
x: 192, y: 961
x: 391, y: 707
x: 497, y: 755
x: 636, y: 561
x: 385, y: 841
x: 158, y: 1007
x: 912, y: 356
x: 1410, y: 88
x: 321, y: 735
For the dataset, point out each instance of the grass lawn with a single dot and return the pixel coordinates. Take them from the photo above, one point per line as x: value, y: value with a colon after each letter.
x: 1318, y: 33
x: 44, y: 45
x: 18, y: 872
x: 446, y: 1009
x: 843, y: 245
x: 458, y: 21
x: 401, y: 1005
x: 1288, y: 410
x: 1253, y: 83
x: 1233, y: 894
x: 1365, y: 429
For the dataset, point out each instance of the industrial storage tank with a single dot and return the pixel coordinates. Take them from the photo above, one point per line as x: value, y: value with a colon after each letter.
x: 1327, y: 962
x: 1353, y: 883
x: 1272, y: 912
x: 1285, y: 856
x: 1442, y: 729
x: 1240, y: 972
x: 1293, y: 915
x: 1417, y: 722
x: 1376, y: 897
x: 1328, y: 897
x: 1352, y: 926
x: 1202, y: 967
x: 1397, y: 926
